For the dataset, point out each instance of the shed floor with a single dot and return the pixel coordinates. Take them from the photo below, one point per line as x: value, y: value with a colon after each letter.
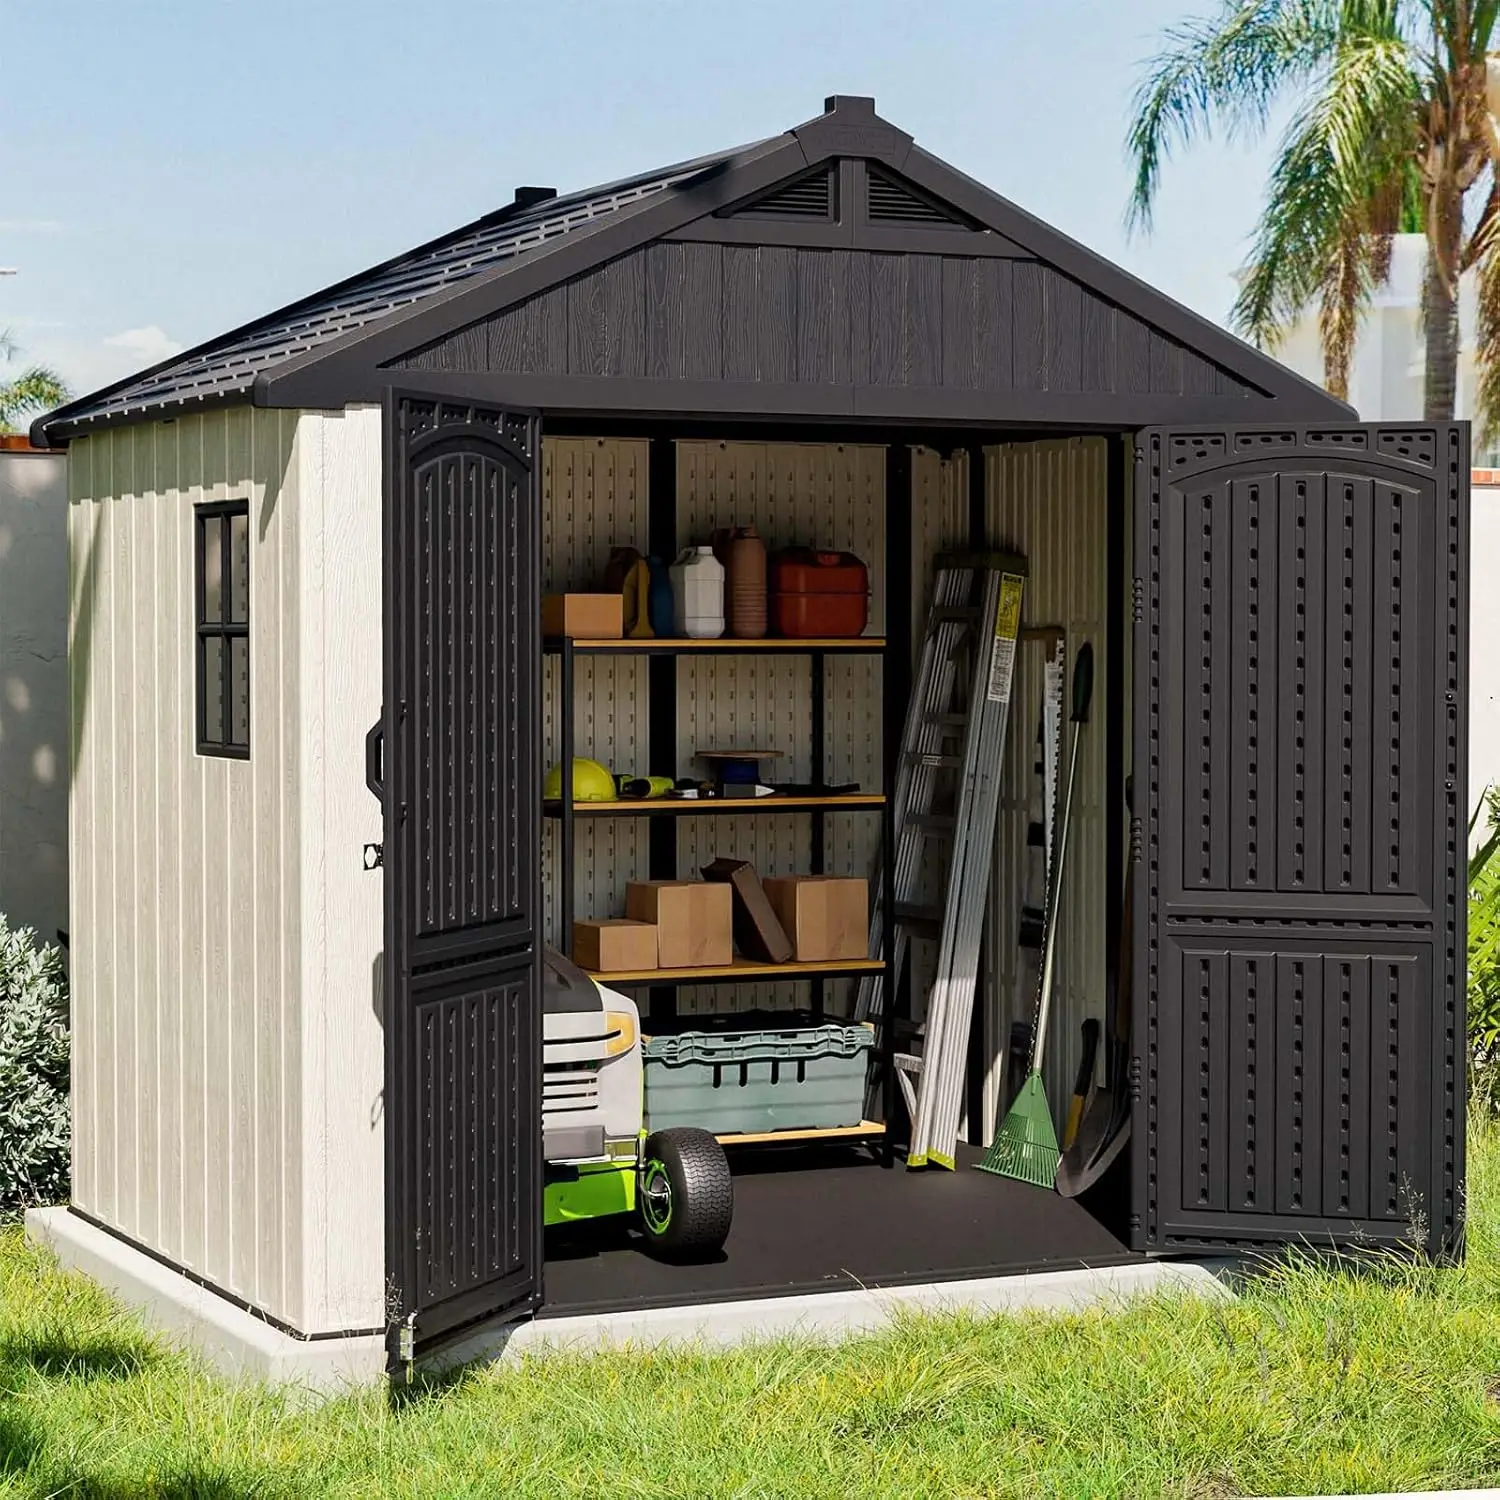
x: 835, y: 1220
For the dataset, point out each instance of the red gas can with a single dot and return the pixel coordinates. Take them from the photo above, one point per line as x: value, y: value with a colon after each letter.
x: 818, y: 593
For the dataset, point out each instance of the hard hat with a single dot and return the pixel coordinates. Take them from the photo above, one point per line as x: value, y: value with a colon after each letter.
x: 591, y: 783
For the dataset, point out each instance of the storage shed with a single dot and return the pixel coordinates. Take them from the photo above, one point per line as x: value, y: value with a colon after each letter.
x: 311, y: 876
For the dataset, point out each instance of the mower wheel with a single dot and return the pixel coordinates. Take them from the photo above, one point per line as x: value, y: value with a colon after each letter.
x: 686, y: 1194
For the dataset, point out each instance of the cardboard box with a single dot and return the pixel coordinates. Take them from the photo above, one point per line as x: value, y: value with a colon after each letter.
x: 827, y: 917
x: 594, y: 617
x: 758, y: 932
x: 693, y: 920
x: 614, y: 945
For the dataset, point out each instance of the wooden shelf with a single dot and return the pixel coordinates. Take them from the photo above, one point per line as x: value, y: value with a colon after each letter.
x: 723, y: 646
x: 863, y: 1130
x: 692, y: 807
x: 741, y: 971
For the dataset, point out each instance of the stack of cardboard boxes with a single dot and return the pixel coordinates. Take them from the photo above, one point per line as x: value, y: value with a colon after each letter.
x: 690, y: 924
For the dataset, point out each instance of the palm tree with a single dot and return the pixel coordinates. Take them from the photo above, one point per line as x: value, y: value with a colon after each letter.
x: 1392, y: 131
x: 34, y: 390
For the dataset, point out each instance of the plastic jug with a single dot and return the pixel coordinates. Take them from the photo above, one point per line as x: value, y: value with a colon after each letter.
x: 743, y: 554
x: 659, y: 607
x: 698, y: 594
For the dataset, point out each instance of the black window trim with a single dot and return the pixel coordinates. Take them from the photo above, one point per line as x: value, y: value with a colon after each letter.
x: 224, y: 629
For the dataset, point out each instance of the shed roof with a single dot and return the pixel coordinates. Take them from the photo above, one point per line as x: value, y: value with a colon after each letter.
x: 348, y: 341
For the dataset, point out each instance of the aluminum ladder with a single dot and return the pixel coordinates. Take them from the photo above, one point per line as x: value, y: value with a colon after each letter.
x: 973, y: 623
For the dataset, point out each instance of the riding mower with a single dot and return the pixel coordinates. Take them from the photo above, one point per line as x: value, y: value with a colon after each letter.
x: 599, y: 1160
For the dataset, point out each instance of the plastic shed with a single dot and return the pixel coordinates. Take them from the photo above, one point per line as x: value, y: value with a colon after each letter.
x: 310, y: 880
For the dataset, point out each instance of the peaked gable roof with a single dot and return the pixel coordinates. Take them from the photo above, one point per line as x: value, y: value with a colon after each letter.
x: 349, y: 341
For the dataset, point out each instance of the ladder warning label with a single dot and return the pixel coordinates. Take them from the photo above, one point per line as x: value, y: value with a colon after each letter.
x: 1007, y: 629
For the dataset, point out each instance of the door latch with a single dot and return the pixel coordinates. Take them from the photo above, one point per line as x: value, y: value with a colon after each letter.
x: 374, y: 856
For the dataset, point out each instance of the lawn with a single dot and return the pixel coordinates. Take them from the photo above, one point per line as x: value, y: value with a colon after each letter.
x: 1314, y: 1381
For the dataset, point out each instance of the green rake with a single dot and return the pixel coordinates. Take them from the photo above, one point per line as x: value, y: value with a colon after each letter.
x: 1025, y: 1146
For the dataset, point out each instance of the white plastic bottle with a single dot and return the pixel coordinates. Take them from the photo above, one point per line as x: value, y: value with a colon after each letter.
x: 698, y: 594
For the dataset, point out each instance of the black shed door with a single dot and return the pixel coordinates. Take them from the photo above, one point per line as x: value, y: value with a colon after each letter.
x: 1301, y: 619
x: 463, y: 1042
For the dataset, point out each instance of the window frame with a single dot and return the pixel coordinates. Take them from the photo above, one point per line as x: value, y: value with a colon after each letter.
x: 222, y: 629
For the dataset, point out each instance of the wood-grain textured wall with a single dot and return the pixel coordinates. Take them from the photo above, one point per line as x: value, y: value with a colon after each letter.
x: 776, y: 315
x: 225, y: 936
x: 339, y: 688
x: 185, y: 939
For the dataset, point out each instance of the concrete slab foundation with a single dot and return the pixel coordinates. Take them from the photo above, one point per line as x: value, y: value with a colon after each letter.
x: 243, y: 1345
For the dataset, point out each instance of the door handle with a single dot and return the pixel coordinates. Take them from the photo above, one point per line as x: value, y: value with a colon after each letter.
x: 375, y: 760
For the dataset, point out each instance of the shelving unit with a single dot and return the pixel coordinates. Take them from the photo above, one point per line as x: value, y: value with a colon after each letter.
x: 743, y: 971
x: 817, y: 806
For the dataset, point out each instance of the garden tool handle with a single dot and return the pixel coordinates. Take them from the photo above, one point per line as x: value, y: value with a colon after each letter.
x: 1083, y: 683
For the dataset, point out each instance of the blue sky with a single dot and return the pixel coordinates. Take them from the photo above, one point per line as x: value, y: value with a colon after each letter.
x: 181, y: 166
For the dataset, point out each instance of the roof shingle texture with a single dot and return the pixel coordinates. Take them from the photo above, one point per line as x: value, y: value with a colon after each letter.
x: 228, y: 366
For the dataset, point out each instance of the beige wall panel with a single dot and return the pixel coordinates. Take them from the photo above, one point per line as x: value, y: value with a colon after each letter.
x: 1048, y: 500
x: 192, y: 898
x: 342, y: 1071
x: 177, y: 929
x: 795, y: 494
x: 145, y: 880
x: 83, y: 872
x: 594, y: 495
x: 172, y: 626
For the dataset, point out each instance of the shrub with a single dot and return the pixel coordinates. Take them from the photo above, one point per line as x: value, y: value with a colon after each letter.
x: 34, y: 1132
x: 1484, y: 958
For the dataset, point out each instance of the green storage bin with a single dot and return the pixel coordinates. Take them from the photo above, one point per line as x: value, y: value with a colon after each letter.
x: 744, y: 1081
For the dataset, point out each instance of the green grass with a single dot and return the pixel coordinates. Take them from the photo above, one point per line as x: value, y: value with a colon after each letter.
x: 1316, y: 1381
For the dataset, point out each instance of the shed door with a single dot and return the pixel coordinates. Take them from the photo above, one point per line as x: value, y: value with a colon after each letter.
x: 463, y: 1040
x: 1300, y: 644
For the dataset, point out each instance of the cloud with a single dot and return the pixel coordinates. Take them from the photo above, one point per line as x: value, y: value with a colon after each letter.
x: 149, y: 345
x: 30, y: 226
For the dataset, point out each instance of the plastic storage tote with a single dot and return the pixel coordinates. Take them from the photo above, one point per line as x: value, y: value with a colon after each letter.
x: 776, y: 1077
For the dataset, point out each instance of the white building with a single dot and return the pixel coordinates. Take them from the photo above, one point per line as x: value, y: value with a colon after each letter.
x: 1385, y: 384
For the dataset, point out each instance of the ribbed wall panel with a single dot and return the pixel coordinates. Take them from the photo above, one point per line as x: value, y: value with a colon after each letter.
x: 594, y: 499
x: 184, y: 868
x: 1048, y: 501
x: 795, y: 494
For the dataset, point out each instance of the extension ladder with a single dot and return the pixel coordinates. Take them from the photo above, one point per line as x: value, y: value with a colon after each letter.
x: 974, y: 622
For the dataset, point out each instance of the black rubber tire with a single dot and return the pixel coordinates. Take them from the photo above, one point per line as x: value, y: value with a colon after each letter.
x: 701, y: 1207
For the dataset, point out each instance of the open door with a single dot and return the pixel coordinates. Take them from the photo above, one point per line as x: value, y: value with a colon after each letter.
x: 1301, y: 619
x: 459, y: 784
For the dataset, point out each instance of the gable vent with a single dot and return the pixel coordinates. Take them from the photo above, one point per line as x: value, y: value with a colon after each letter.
x: 895, y: 202
x: 809, y: 197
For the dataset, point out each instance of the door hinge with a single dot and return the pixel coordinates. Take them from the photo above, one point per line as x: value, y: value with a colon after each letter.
x: 374, y: 856
x: 1139, y: 601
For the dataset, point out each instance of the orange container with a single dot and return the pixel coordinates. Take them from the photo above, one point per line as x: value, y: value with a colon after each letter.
x: 818, y: 593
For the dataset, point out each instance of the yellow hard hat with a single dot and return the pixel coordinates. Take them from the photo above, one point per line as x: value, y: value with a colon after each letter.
x: 591, y: 783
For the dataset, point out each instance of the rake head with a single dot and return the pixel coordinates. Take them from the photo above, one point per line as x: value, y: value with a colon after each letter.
x: 1026, y: 1144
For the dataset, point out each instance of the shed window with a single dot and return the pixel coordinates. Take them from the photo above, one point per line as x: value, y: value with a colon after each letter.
x: 222, y: 584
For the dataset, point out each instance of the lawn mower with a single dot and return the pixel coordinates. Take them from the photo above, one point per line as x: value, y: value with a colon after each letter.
x: 599, y: 1160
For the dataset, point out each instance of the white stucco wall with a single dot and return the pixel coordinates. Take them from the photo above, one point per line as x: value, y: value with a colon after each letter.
x: 34, y: 690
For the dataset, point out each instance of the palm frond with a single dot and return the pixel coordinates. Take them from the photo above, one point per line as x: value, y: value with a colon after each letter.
x: 1225, y: 71
x: 34, y: 390
x: 1487, y: 332
x: 1348, y: 279
x: 1343, y: 165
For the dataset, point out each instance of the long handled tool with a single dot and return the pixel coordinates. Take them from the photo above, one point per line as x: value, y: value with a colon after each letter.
x: 1085, y: 1082
x: 1025, y: 1146
x: 1106, y: 1124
